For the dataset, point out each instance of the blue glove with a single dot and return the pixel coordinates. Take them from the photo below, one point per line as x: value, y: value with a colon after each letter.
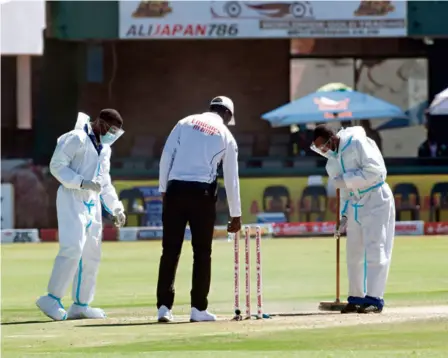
x: 339, y: 182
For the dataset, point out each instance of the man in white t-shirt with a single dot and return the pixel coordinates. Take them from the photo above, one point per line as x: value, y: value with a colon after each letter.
x: 188, y: 183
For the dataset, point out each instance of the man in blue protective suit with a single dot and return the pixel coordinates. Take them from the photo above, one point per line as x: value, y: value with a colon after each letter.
x: 357, y: 168
x: 81, y: 163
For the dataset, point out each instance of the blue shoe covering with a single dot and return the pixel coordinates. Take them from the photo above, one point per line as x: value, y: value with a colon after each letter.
x: 377, y: 302
x: 359, y: 301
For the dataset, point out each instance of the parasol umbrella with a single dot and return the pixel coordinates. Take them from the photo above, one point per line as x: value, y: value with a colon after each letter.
x: 439, y: 106
x: 416, y: 116
x: 331, y: 106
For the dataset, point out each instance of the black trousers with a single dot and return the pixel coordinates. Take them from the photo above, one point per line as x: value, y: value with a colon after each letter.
x: 194, y: 203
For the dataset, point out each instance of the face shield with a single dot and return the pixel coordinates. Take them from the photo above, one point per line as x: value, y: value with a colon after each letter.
x: 324, y: 149
x: 111, y: 135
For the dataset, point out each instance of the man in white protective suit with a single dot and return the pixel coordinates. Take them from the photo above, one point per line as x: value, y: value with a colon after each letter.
x: 81, y: 163
x: 357, y: 168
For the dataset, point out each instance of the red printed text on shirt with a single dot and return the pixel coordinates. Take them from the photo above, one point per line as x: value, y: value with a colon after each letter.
x: 204, y: 127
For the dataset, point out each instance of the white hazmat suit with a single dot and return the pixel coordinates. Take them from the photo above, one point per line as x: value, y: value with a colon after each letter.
x: 367, y: 200
x: 76, y: 158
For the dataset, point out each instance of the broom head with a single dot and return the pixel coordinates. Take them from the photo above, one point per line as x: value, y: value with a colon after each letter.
x: 332, y: 306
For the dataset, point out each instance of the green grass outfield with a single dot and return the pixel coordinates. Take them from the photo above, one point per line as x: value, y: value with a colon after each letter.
x: 297, y: 275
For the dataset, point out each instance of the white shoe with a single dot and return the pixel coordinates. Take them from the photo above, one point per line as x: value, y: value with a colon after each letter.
x: 201, y: 316
x: 85, y: 312
x: 52, y: 307
x: 164, y: 315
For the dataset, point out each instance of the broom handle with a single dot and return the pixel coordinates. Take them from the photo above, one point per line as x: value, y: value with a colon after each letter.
x: 338, y: 245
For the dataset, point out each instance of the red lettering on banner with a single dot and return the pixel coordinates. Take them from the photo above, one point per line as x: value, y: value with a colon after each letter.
x: 176, y: 29
x: 201, y: 30
x: 179, y: 30
x: 405, y: 227
x: 436, y: 228
x: 189, y: 30
x: 166, y: 30
x: 303, y: 228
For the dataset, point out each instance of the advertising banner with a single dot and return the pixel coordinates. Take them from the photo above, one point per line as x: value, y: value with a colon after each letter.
x: 261, y: 194
x: 20, y: 236
x: 266, y: 231
x: 51, y: 235
x: 436, y: 228
x: 409, y: 228
x: 146, y: 233
x: 402, y: 228
x: 156, y: 232
x: 271, y: 218
x: 152, y: 205
x: 303, y: 229
x: 261, y: 19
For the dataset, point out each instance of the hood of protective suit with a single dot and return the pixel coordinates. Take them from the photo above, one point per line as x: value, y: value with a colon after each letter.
x: 345, y: 134
x: 82, y: 120
x: 350, y: 131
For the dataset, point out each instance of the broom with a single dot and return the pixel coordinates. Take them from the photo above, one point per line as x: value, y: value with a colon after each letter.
x: 336, y: 305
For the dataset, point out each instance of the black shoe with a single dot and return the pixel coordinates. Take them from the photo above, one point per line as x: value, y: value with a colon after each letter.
x: 350, y: 308
x: 368, y: 308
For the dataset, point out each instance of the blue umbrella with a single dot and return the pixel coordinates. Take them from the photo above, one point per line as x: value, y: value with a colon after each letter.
x: 416, y: 116
x: 332, y: 106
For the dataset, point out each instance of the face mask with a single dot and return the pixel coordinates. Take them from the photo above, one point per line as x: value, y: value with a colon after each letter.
x: 110, y: 138
x: 327, y: 154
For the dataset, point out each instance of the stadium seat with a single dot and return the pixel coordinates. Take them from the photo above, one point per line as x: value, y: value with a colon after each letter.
x: 407, y: 199
x: 311, y: 203
x: 132, y: 196
x: 438, y: 201
x: 276, y: 198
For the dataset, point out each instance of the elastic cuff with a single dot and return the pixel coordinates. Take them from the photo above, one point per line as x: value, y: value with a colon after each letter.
x: 80, y: 304
x: 356, y: 300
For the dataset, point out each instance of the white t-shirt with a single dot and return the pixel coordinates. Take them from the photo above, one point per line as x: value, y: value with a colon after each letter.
x: 193, y: 151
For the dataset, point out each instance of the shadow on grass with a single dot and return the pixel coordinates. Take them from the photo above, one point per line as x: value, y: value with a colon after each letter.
x: 130, y: 324
x: 323, y: 313
x: 24, y: 322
